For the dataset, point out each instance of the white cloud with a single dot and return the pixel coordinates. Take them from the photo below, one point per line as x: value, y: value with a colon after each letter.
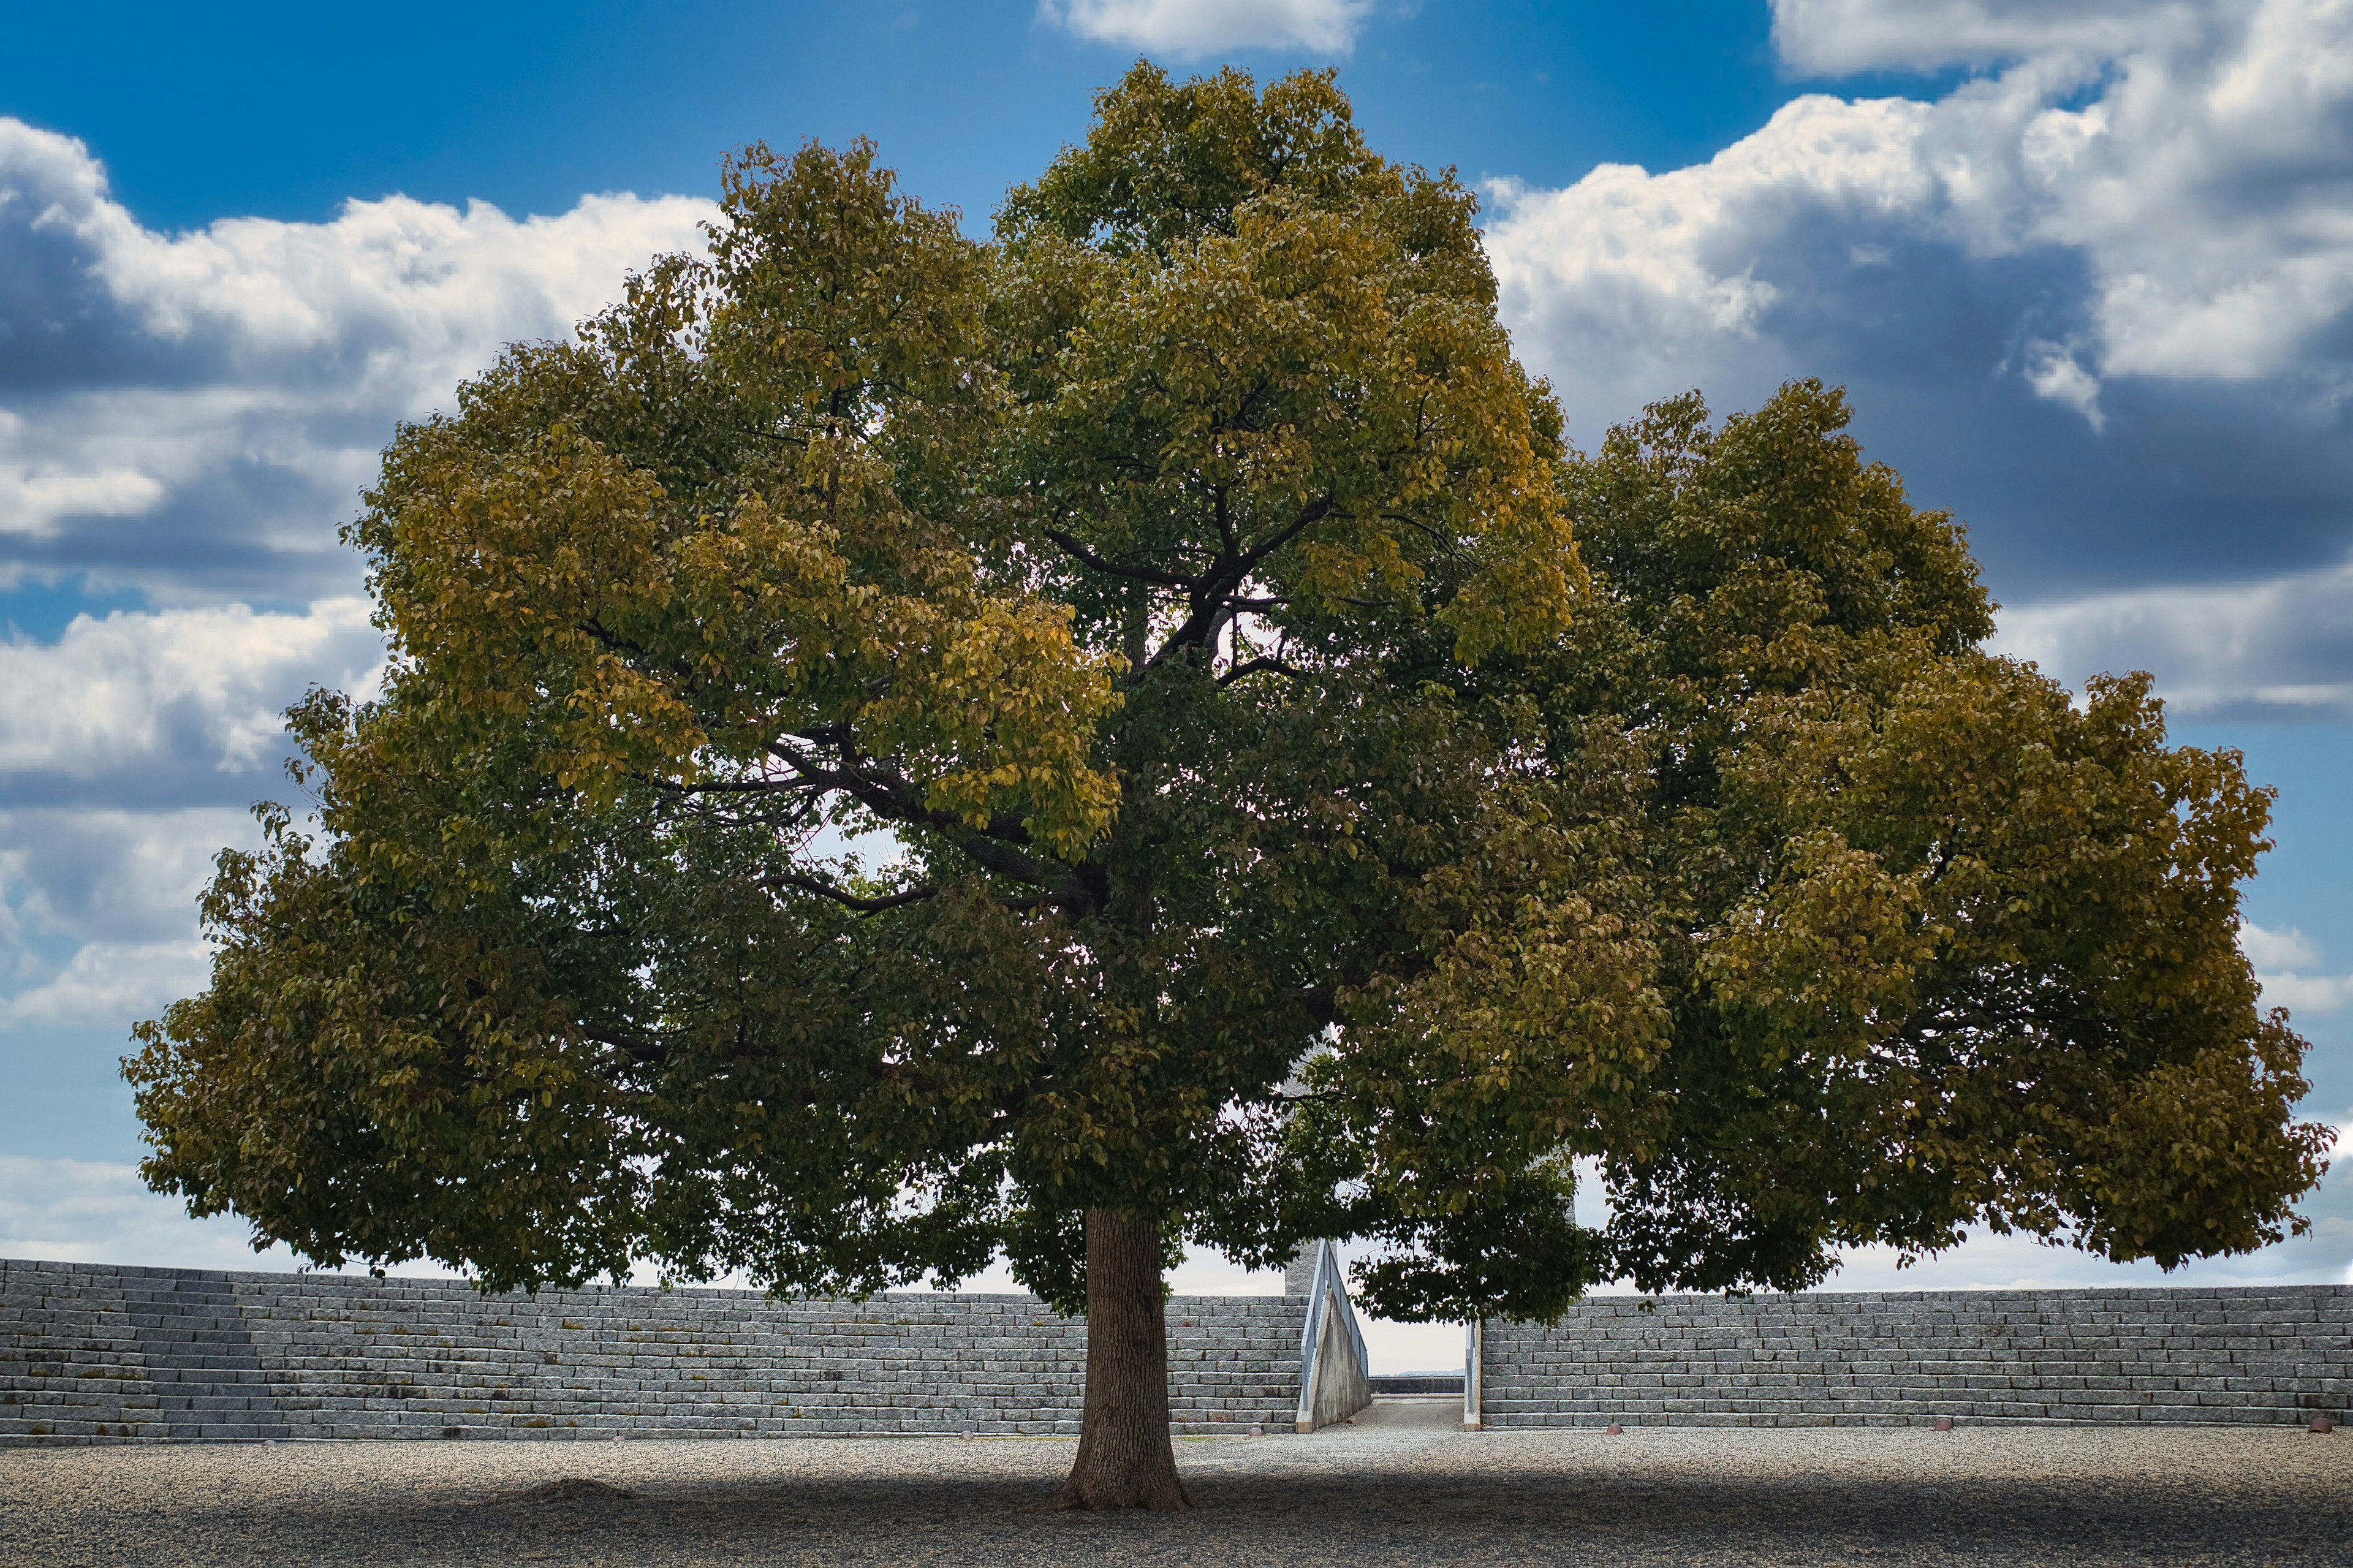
x: 1631, y: 284
x: 190, y: 415
x: 187, y: 690
x: 34, y: 496
x: 400, y: 297
x: 2179, y: 171
x: 97, y: 910
x: 1839, y: 37
x: 2304, y: 995
x: 98, y: 875
x: 414, y: 294
x: 2137, y: 215
x: 220, y: 394
x: 2276, y: 950
x: 2280, y: 957
x: 98, y: 1211
x: 2281, y: 647
x: 2055, y: 373
x: 91, y: 1211
x: 1197, y: 28
x: 1985, y: 1261
x: 111, y: 984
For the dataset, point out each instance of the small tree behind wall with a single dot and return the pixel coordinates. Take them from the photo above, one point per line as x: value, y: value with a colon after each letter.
x: 1324, y: 805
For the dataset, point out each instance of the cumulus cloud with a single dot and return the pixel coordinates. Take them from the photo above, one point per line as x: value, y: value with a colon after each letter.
x: 129, y: 749
x: 2304, y: 995
x: 124, y: 876
x: 187, y: 417
x: 2055, y: 374
x: 2280, y: 957
x: 2096, y: 298
x: 99, y: 1211
x: 190, y: 415
x: 187, y: 701
x: 97, y: 910
x: 2196, y: 173
x: 1841, y: 38
x: 2276, y: 950
x: 112, y: 983
x: 1984, y: 1261
x: 1632, y: 283
x: 2278, y: 648
x: 1195, y: 27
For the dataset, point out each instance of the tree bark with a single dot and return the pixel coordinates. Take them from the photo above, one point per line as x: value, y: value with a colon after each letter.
x: 1125, y: 1460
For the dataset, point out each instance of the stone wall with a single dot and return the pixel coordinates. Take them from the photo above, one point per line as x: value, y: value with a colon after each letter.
x: 2249, y: 1355
x: 94, y: 1352
x: 91, y: 1353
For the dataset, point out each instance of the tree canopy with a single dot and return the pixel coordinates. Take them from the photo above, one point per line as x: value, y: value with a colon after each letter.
x: 1319, y: 801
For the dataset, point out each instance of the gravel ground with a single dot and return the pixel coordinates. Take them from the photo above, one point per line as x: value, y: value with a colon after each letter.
x: 1393, y: 1492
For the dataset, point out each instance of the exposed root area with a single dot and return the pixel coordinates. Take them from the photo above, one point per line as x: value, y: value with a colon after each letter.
x: 1168, y: 1497
x: 574, y: 1488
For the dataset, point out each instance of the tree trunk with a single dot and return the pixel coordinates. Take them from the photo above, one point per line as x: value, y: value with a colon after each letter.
x: 1125, y: 1460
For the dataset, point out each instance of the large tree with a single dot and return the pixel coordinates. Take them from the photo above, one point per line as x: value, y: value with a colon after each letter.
x: 1292, y: 830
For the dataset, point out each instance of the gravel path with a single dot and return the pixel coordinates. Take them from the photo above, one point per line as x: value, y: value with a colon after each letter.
x: 1384, y: 1494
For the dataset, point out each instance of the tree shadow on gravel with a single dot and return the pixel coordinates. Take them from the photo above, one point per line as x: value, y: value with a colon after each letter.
x: 1308, y: 1516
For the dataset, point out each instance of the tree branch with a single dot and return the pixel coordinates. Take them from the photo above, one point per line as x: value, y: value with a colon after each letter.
x: 1088, y: 558
x: 847, y: 900
x: 997, y: 845
x: 1211, y: 594
x: 1263, y: 665
x: 635, y: 1047
x: 1309, y: 515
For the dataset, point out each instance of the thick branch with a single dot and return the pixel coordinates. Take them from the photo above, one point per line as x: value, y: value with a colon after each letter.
x: 1210, y: 597
x: 891, y: 796
x: 1266, y: 664
x: 997, y: 845
x: 1062, y: 887
x: 1309, y: 515
x: 1089, y: 558
x: 846, y: 899
x: 635, y: 1047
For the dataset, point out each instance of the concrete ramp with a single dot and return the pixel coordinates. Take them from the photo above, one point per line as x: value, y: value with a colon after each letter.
x: 1335, y: 1375
x: 1438, y: 1413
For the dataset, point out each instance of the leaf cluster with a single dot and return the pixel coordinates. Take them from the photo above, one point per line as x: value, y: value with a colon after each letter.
x: 1941, y: 946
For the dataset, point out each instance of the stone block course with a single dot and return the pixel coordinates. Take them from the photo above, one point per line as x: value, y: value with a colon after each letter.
x: 248, y: 1356
x: 2203, y: 1355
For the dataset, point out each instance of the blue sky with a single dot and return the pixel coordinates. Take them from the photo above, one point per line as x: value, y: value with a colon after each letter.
x: 2086, y: 267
